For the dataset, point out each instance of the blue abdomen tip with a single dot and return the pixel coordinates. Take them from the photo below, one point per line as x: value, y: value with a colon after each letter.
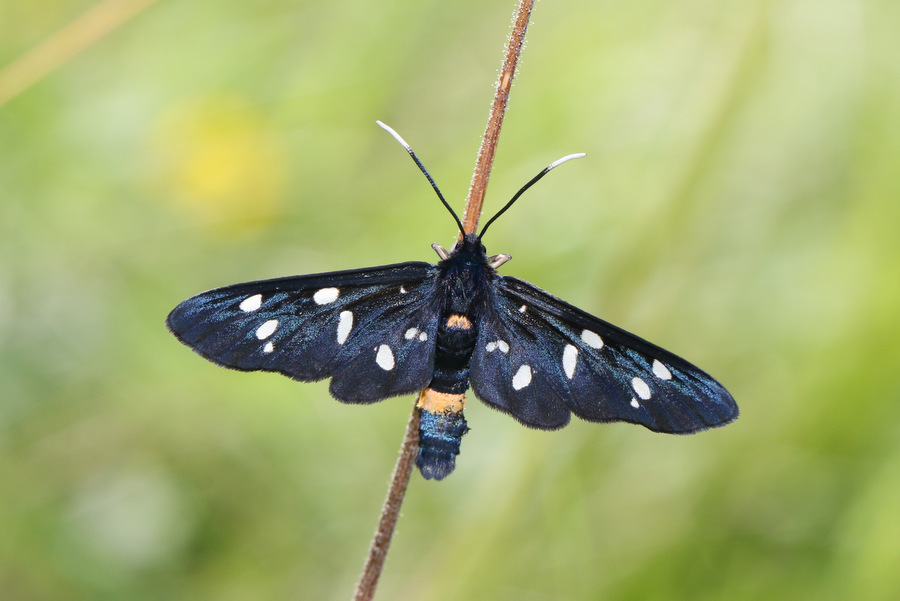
x: 440, y: 435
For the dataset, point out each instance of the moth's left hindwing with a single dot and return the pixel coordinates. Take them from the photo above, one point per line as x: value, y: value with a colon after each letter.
x: 538, y: 358
x: 371, y: 330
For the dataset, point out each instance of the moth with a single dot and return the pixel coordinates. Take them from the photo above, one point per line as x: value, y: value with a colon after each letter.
x: 436, y: 330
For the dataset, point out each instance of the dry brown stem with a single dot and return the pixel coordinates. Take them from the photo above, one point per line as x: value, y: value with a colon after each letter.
x: 391, y: 510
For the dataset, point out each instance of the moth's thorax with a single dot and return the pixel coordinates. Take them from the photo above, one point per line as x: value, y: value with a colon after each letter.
x: 465, y: 275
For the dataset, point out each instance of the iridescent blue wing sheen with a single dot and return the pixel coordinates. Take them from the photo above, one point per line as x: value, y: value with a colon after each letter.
x: 372, y: 331
x: 539, y: 358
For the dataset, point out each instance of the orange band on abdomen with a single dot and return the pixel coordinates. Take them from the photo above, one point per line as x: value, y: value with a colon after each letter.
x: 441, y: 402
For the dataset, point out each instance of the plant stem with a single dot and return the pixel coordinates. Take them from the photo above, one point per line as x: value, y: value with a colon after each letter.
x: 390, y: 511
x: 485, y: 162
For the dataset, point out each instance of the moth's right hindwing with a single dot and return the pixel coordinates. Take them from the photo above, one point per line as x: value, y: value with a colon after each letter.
x: 371, y: 330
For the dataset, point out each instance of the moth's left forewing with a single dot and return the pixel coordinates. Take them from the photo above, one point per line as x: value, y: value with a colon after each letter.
x: 601, y: 372
x: 354, y: 326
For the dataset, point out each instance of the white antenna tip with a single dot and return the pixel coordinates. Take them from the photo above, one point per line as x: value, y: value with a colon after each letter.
x: 397, y: 137
x: 568, y: 157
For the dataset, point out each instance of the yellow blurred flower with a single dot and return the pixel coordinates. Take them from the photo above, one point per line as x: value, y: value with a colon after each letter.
x: 220, y: 163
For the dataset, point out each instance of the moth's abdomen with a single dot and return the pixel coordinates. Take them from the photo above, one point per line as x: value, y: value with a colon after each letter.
x: 456, y: 337
x: 441, y: 430
x: 442, y: 423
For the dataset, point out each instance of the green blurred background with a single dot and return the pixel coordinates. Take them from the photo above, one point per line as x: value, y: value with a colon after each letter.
x: 740, y: 205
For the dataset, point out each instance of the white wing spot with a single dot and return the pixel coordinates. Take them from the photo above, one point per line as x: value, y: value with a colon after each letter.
x: 385, y: 358
x: 266, y: 329
x: 423, y: 336
x: 269, y: 348
x: 403, y: 290
x: 522, y: 309
x: 661, y: 371
x: 500, y: 345
x: 345, y: 324
x: 325, y: 296
x: 592, y: 339
x: 411, y: 333
x: 251, y: 303
x: 522, y: 378
x: 641, y: 388
x: 634, y: 403
x: 570, y: 360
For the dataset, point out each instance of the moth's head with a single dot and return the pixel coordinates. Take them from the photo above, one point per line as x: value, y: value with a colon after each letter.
x: 469, y: 247
x: 470, y: 244
x: 470, y: 250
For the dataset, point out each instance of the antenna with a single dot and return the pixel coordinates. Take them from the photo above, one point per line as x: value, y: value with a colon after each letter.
x: 530, y: 183
x: 403, y: 143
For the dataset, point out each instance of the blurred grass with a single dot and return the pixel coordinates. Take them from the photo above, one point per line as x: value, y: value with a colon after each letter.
x: 739, y: 205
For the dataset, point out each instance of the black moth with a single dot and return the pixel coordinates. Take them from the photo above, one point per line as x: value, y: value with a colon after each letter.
x: 437, y: 329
